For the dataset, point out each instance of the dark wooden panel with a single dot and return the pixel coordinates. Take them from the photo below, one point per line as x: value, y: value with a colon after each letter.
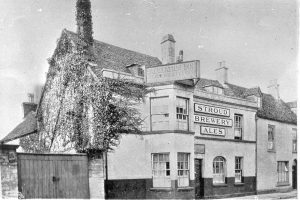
x: 53, y: 175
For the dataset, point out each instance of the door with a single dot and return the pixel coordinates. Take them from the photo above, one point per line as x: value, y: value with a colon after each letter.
x: 53, y: 176
x: 199, y: 186
x: 294, y: 174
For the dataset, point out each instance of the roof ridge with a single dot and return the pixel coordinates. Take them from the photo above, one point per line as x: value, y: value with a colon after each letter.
x: 98, y: 41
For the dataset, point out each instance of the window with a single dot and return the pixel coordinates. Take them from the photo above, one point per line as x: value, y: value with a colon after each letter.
x: 219, y: 170
x: 213, y: 89
x: 294, y: 140
x: 140, y: 72
x: 238, y: 169
x: 238, y: 126
x: 183, y: 169
x: 159, y: 113
x: 182, y: 116
x: 271, y: 145
x: 283, y: 171
x: 161, y: 170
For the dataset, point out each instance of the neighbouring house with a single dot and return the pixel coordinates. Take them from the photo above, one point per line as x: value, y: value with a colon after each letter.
x: 276, y: 144
x: 293, y: 106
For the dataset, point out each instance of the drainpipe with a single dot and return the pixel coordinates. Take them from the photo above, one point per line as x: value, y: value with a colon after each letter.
x: 106, y: 176
x: 256, y: 118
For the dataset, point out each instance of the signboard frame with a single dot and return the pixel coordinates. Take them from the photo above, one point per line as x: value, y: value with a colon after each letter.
x: 228, y: 110
x: 193, y: 75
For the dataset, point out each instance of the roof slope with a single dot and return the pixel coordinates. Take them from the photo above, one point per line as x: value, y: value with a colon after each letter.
x: 276, y: 110
x: 116, y: 58
x: 28, y: 126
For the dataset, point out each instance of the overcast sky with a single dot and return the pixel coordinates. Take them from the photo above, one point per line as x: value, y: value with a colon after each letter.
x: 258, y: 39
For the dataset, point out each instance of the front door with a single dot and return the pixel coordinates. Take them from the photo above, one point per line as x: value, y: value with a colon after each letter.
x: 199, y: 187
x: 294, y: 172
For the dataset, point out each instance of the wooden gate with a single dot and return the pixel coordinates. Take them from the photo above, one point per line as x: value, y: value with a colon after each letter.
x: 53, y: 175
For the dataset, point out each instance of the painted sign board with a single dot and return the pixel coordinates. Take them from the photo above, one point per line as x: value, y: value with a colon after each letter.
x: 212, y: 120
x: 207, y: 130
x: 199, y: 148
x: 209, y: 109
x: 173, y: 72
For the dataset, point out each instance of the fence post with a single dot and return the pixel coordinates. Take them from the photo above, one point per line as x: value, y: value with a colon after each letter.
x: 96, y: 177
x: 8, y: 171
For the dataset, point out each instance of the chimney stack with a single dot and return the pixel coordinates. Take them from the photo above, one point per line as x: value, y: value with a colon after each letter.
x: 30, y: 105
x: 221, y: 73
x: 180, y: 57
x: 84, y: 21
x: 168, y: 49
x: 273, y: 89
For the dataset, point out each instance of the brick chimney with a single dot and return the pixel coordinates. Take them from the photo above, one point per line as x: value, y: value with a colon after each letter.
x: 273, y: 89
x: 180, y: 57
x: 84, y: 21
x: 30, y: 105
x: 221, y: 73
x: 168, y: 49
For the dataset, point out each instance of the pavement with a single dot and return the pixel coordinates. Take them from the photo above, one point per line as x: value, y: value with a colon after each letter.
x: 278, y: 195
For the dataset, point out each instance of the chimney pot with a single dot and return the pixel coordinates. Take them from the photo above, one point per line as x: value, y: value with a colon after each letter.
x: 273, y: 89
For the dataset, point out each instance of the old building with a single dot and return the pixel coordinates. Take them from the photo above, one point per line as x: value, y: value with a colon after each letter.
x: 201, y: 138
x: 276, y: 144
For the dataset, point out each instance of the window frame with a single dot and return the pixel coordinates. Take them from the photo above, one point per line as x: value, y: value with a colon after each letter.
x: 167, y: 171
x: 151, y: 114
x: 215, y: 174
x: 283, y: 176
x: 184, y: 168
x: 240, y: 127
x: 238, y: 166
x: 294, y: 141
x: 273, y: 138
x: 182, y: 114
x: 140, y: 72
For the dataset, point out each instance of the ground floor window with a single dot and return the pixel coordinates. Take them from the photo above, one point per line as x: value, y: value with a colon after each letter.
x: 238, y: 169
x: 283, y: 171
x: 183, y: 169
x: 219, y: 166
x: 161, y: 170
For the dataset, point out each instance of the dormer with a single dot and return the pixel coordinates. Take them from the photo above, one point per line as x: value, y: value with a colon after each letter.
x: 137, y: 70
x: 214, y: 89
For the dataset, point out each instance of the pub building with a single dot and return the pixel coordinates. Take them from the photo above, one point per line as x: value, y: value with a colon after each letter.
x: 198, y: 136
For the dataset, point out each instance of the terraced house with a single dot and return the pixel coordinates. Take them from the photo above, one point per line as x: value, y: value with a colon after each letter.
x: 201, y: 138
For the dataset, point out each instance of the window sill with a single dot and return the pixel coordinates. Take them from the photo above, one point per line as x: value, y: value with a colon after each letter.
x: 185, y: 188
x: 271, y: 151
x: 220, y: 185
x: 283, y: 184
x: 239, y: 184
x: 161, y: 189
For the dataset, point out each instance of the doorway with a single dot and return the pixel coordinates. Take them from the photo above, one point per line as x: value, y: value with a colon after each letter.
x: 199, y: 183
x: 294, y: 174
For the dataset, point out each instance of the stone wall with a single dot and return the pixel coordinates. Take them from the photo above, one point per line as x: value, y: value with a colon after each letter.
x: 9, y: 172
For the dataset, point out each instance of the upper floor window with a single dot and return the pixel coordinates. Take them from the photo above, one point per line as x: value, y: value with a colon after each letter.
x: 140, y: 72
x: 283, y: 171
x: 159, y: 115
x: 238, y: 126
x: 182, y: 115
x: 219, y: 170
x: 214, y: 89
x: 271, y: 141
x: 183, y: 169
x: 294, y: 140
x: 238, y: 169
x: 161, y: 170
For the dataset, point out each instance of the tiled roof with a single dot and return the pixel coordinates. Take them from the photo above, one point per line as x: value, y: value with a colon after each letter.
x: 28, y: 126
x: 276, y: 110
x: 116, y: 58
x: 207, y: 82
x: 271, y: 108
x: 292, y: 104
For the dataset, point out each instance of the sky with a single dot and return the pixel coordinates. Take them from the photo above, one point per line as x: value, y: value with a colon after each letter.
x: 258, y: 39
